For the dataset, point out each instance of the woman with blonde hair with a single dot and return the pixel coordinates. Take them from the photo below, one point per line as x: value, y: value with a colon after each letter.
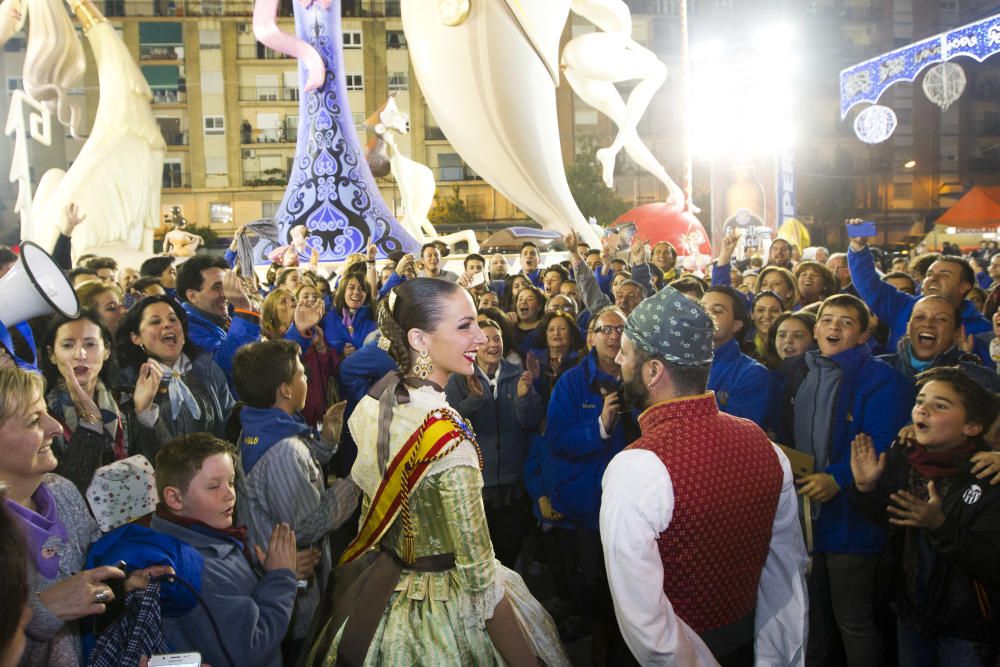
x: 277, y: 313
x: 57, y: 527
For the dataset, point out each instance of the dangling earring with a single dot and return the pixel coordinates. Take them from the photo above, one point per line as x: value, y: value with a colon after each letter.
x: 422, y: 367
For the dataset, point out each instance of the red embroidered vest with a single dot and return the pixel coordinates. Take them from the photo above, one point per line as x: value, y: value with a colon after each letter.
x: 727, y: 479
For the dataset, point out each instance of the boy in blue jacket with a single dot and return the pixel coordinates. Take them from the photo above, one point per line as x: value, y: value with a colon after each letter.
x: 250, y: 599
x: 949, y: 276
x: 840, y: 391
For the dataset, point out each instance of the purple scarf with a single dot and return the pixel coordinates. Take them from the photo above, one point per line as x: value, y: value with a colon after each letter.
x: 43, y: 531
x: 348, y: 320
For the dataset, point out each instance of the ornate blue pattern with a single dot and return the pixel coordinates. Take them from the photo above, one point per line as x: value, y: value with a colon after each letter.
x: 865, y: 82
x: 331, y: 189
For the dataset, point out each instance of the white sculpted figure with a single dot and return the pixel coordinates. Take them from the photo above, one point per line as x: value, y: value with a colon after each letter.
x: 593, y: 63
x: 117, y: 176
x: 489, y: 70
x: 415, y: 180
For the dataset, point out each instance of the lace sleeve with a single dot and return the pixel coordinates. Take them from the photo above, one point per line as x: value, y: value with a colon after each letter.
x: 476, y: 567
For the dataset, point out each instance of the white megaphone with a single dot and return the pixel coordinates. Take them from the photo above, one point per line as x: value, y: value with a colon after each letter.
x: 35, y: 286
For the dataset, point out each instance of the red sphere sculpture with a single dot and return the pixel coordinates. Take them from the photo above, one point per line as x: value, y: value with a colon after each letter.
x: 662, y: 222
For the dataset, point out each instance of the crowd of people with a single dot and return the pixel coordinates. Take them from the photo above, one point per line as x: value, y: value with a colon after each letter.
x: 789, y: 461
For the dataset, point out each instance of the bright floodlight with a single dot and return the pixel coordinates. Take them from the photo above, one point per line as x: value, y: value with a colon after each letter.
x: 743, y: 99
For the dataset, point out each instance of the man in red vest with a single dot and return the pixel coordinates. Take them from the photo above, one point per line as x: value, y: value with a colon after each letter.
x: 702, y: 503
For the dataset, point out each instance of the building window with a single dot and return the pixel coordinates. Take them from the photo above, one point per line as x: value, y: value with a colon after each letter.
x: 399, y: 81
x: 269, y: 209
x: 172, y: 177
x: 220, y: 213
x: 14, y: 83
x: 395, y: 39
x: 450, y: 167
x: 359, y: 122
x: 355, y: 81
x: 215, y: 125
x: 352, y: 39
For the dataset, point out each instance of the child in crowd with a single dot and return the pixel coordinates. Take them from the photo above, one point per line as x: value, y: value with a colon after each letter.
x: 195, y: 479
x: 940, y: 559
x: 841, y: 390
x: 281, y: 457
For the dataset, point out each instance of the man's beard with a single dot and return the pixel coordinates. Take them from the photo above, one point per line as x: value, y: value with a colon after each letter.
x: 634, y: 393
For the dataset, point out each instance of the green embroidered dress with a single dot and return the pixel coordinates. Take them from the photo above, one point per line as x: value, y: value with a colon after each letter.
x: 439, y: 618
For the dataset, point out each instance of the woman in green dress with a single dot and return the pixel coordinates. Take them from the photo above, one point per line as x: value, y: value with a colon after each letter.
x: 420, y: 584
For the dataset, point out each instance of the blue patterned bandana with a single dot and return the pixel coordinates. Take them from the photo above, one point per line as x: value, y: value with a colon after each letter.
x: 674, y: 327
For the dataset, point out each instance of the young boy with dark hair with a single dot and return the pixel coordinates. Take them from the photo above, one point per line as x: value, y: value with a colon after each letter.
x: 250, y: 607
x: 841, y: 390
x: 280, y: 476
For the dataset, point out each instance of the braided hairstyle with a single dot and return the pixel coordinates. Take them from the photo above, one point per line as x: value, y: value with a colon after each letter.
x: 418, y: 303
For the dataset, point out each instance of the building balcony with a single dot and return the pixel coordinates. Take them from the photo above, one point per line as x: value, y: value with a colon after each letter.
x: 268, y: 94
x: 265, y: 178
x: 370, y: 8
x: 161, y: 52
x: 270, y: 135
x: 169, y: 97
x: 175, y: 138
x: 175, y: 180
x: 433, y: 133
x: 258, y: 52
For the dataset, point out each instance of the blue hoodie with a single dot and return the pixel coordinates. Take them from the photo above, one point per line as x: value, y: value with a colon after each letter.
x: 262, y: 427
x: 872, y: 398
x: 894, y: 307
x: 742, y: 385
x: 574, y: 438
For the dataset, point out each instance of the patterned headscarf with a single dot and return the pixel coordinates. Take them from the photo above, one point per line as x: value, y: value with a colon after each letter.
x: 674, y: 327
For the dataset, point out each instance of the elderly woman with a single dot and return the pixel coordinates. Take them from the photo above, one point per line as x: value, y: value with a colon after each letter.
x: 103, y: 299
x: 171, y: 388
x: 78, y: 369
x: 561, y: 350
x: 57, y: 527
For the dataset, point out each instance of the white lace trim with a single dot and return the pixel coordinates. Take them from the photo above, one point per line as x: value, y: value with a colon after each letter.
x: 477, y: 607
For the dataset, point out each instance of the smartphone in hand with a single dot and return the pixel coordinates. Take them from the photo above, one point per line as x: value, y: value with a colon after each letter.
x: 861, y: 230
x: 176, y: 660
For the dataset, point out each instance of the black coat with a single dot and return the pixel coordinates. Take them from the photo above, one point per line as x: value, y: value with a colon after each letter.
x: 963, y: 590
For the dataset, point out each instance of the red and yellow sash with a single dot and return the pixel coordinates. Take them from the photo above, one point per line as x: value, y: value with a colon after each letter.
x: 429, y: 443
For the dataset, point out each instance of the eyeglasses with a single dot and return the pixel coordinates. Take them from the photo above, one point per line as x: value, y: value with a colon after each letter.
x: 607, y: 329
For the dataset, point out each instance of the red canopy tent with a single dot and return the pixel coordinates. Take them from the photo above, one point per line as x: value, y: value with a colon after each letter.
x: 979, y: 208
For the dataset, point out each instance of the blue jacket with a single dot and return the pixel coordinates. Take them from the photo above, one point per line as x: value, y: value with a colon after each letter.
x: 903, y: 362
x: 208, y: 336
x: 872, y: 398
x: 337, y: 334
x: 742, y: 385
x: 894, y: 307
x: 393, y: 280
x: 574, y: 437
x: 252, y: 612
x: 541, y: 469
x: 503, y: 424
x: 359, y: 371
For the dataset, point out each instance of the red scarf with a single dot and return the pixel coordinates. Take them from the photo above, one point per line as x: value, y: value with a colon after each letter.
x: 932, y: 465
x: 236, y: 533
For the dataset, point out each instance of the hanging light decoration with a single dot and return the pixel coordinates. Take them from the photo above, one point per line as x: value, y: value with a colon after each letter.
x: 875, y: 124
x: 944, y: 83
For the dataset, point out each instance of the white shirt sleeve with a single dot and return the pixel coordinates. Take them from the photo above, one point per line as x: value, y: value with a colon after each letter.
x: 781, y: 621
x: 637, y: 505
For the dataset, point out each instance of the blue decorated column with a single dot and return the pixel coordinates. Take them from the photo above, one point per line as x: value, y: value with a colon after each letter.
x: 331, y: 190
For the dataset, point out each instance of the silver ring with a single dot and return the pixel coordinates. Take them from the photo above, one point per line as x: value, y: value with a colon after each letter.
x: 102, y: 596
